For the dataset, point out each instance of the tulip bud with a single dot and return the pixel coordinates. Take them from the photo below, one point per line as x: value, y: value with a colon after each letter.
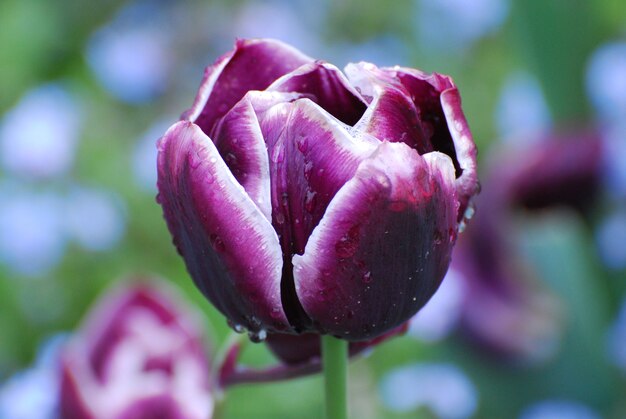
x: 307, y: 201
x: 138, y: 354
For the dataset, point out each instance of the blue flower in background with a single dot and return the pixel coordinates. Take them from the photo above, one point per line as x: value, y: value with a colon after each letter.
x: 145, y: 154
x: 410, y: 387
x: 606, y: 80
x: 33, y: 393
x: 441, y: 314
x: 38, y: 137
x: 617, y: 339
x: 94, y: 218
x: 130, y: 56
x: 558, y: 409
x: 457, y: 24
x: 32, y: 235
x: 522, y: 112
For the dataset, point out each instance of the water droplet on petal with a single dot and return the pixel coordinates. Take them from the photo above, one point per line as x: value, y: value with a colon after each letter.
x: 275, y: 313
x: 469, y: 212
x: 397, y: 206
x: 217, y: 243
x: 302, y: 144
x: 257, y: 336
x: 236, y: 327
x: 347, y: 246
x: 367, y: 277
x: 437, y: 237
x: 310, y: 201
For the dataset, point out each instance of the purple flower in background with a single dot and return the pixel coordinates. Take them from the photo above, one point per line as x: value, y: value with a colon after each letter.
x: 506, y: 311
x: 139, y: 353
x: 303, y: 200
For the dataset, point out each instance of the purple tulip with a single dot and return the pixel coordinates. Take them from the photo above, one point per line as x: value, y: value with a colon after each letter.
x: 506, y: 310
x: 303, y: 200
x: 139, y: 354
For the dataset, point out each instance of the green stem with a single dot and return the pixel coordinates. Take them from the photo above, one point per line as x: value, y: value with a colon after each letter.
x: 335, y: 360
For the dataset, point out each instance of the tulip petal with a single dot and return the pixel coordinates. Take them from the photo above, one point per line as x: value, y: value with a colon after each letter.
x: 306, y: 348
x: 311, y: 156
x: 467, y: 184
x: 392, y: 115
x: 253, y: 65
x: 451, y: 132
x: 240, y: 143
x: 383, y: 245
x: 230, y: 249
x: 328, y: 87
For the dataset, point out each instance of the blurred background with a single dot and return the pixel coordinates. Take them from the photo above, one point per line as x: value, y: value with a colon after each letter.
x: 529, y: 323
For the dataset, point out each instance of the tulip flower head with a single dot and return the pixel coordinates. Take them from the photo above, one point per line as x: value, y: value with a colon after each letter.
x: 139, y: 354
x: 306, y: 200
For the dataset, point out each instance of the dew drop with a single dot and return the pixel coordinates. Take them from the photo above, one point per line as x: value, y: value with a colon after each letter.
x: 230, y: 159
x: 346, y: 247
x: 469, y: 212
x: 278, y: 155
x: 308, y: 167
x: 302, y: 144
x: 367, y: 277
x: 280, y: 218
x: 462, y: 226
x: 217, y: 243
x: 257, y: 336
x: 310, y: 201
x: 437, y: 237
x: 194, y: 162
x: 397, y: 206
x: 238, y: 328
x: 275, y: 313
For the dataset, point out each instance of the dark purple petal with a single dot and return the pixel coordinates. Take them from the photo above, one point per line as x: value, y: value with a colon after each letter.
x: 298, y: 349
x: 383, y: 245
x: 253, y: 65
x: 240, y: 143
x: 230, y: 249
x: 392, y: 115
x: 311, y: 156
x: 326, y: 86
